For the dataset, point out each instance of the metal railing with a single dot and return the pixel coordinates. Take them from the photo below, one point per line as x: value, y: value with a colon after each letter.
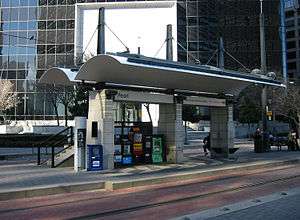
x: 62, y: 138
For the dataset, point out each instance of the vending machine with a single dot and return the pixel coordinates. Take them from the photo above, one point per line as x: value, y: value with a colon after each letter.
x: 158, y: 149
x: 118, y: 146
x: 136, y: 138
x: 148, y: 148
x: 95, y: 157
x: 126, y: 145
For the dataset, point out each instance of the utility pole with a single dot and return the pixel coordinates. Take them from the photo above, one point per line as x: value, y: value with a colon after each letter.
x: 264, y: 72
x: 221, y: 54
x: 283, y: 40
x: 169, y: 48
x: 101, y: 32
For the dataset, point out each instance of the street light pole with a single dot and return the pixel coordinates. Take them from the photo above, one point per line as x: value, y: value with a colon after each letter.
x: 263, y: 71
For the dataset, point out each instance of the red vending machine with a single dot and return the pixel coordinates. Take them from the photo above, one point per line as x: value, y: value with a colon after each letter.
x: 136, y: 138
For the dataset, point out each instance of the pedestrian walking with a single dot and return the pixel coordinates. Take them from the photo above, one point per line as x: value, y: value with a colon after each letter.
x: 206, y: 146
x: 258, y: 141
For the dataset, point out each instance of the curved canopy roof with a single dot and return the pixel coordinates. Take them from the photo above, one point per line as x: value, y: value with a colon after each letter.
x: 59, y: 76
x: 142, y: 71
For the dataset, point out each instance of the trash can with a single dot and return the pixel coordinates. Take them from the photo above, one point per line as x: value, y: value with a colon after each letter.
x: 95, y: 157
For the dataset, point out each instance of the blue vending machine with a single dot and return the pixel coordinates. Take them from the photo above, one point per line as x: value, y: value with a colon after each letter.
x: 95, y: 160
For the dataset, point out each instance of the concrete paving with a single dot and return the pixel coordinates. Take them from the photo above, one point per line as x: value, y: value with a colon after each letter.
x: 23, y: 177
x: 280, y: 205
x: 285, y: 208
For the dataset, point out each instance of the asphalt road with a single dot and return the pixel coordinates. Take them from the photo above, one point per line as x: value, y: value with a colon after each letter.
x: 162, y: 201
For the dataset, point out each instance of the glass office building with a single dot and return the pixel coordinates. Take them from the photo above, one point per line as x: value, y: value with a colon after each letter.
x: 292, y: 22
x: 36, y: 35
x: 237, y: 22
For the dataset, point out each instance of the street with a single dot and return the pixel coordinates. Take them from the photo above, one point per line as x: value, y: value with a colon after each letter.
x: 166, y: 201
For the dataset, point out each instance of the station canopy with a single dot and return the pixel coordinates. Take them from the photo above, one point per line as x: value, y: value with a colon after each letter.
x: 140, y: 71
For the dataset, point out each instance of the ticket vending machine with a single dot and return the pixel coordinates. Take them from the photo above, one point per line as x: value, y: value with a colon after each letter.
x: 95, y: 157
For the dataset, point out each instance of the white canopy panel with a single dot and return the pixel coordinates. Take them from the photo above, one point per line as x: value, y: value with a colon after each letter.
x: 148, y: 72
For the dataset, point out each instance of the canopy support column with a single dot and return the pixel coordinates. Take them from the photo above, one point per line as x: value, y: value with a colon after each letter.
x: 222, y: 131
x: 170, y: 124
x: 101, y: 118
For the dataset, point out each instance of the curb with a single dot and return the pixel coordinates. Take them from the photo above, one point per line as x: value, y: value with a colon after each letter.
x: 114, y: 185
x: 50, y: 190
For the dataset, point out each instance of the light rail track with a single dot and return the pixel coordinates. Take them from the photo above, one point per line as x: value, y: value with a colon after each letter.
x: 187, y: 198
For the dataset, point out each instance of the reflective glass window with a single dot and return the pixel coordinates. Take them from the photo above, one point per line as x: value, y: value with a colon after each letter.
x: 51, y: 12
x: 5, y: 26
x: 61, y: 24
x: 5, y: 3
x: 20, y: 106
x: 5, y: 14
x: 32, y: 25
x: 23, y: 26
x: 11, y: 74
x: 42, y: 2
x: 14, y: 25
x: 21, y: 74
x: 29, y: 104
x: 15, y: 3
x: 32, y: 13
x: 23, y: 14
x: 32, y: 2
x: 21, y: 85
x: 14, y: 14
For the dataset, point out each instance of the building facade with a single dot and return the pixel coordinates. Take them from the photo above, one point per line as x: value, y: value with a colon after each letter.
x: 36, y: 35
x: 292, y: 16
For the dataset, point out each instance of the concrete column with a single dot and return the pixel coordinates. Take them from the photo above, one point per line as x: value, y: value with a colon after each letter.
x: 79, y: 144
x: 170, y: 124
x: 222, y: 131
x: 101, y: 112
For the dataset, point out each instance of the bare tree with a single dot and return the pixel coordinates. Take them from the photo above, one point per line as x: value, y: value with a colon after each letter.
x: 52, y: 96
x: 66, y: 98
x: 287, y: 103
x: 57, y: 95
x: 8, y: 97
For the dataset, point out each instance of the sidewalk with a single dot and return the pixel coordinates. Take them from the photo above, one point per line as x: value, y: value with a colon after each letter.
x: 27, y: 180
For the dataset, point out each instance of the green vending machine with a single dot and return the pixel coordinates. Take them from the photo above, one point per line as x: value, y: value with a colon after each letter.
x: 157, y: 149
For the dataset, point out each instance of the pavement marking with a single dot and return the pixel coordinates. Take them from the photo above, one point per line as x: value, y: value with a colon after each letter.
x: 211, y: 213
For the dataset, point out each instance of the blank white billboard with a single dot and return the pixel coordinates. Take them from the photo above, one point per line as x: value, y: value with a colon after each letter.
x: 137, y: 24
